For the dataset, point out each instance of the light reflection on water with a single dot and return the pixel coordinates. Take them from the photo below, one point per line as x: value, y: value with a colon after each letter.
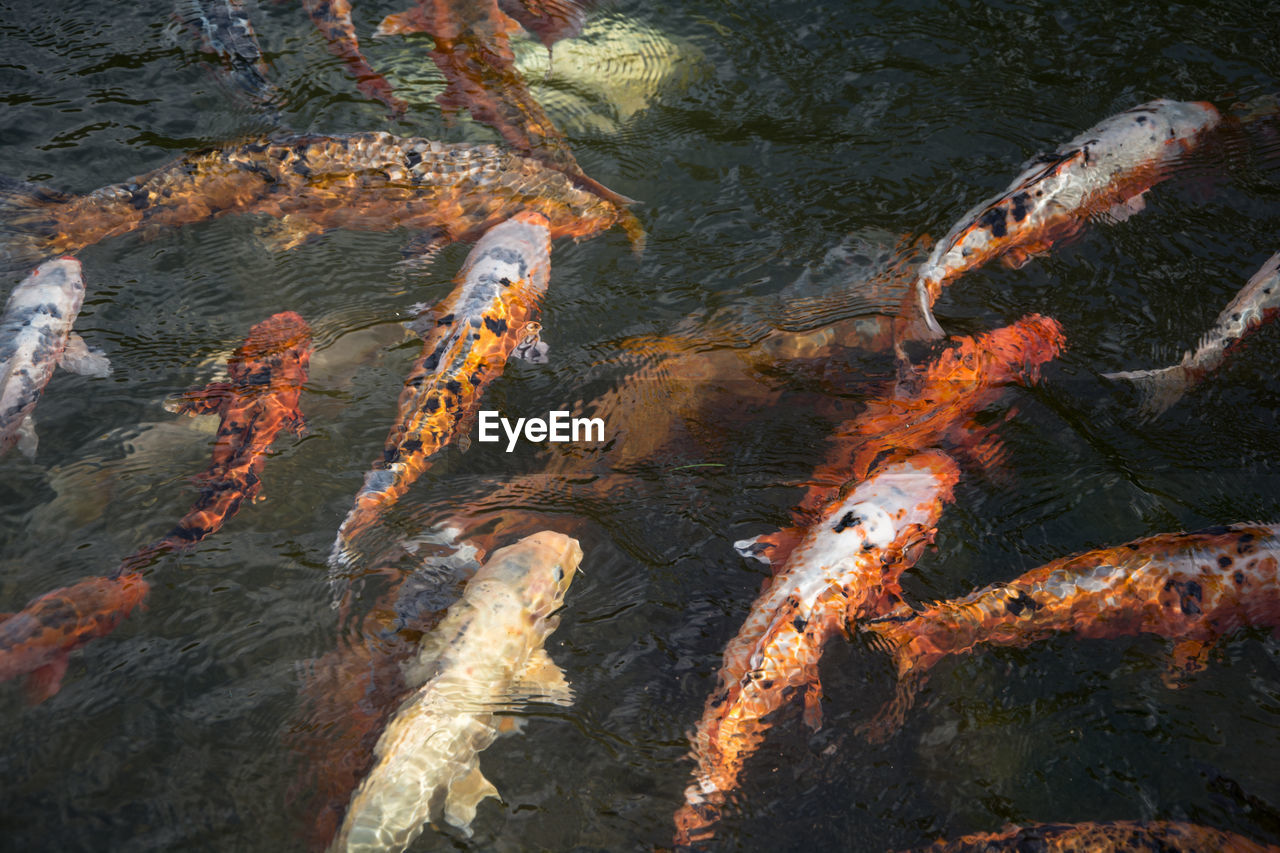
x: 819, y: 120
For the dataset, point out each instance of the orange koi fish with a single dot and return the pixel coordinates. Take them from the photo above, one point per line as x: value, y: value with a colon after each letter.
x: 267, y: 373
x: 473, y: 52
x: 333, y: 19
x: 38, y: 641
x: 489, y: 317
x: 1192, y: 588
x: 847, y: 565
x: 952, y: 389
x: 1112, y: 837
x: 362, y: 181
x: 1255, y: 305
x: 1103, y: 171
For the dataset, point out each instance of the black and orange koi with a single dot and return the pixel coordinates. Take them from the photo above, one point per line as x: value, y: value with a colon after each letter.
x: 1192, y: 588
x: 489, y: 317
x: 362, y: 181
x: 1111, y: 837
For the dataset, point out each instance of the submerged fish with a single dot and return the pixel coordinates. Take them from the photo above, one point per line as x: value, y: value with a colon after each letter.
x: 35, y: 337
x: 267, y: 373
x: 37, y: 641
x: 489, y: 317
x: 1192, y: 588
x: 333, y: 19
x: 487, y: 656
x: 1102, y: 172
x: 225, y: 31
x: 1257, y: 303
x: 362, y: 181
x: 1111, y: 837
x: 846, y: 566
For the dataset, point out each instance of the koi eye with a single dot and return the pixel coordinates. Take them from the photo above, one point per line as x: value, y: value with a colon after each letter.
x: 559, y: 573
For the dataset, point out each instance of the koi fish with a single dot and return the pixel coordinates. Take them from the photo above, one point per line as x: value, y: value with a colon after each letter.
x: 950, y: 391
x: 1257, y: 303
x: 1102, y: 172
x: 333, y: 19
x: 847, y: 565
x: 486, y: 656
x: 473, y: 52
x: 1192, y: 588
x: 225, y: 31
x: 35, y: 337
x: 362, y: 181
x: 267, y: 373
x: 487, y: 319
x: 37, y: 641
x: 1111, y: 837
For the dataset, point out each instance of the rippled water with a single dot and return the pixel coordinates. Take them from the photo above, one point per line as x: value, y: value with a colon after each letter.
x: 816, y: 120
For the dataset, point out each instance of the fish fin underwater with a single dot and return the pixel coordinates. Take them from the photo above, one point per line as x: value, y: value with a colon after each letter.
x: 24, y: 227
x: 542, y: 681
x: 1158, y: 389
x: 77, y: 357
x: 465, y: 795
x: 28, y: 441
x: 45, y: 682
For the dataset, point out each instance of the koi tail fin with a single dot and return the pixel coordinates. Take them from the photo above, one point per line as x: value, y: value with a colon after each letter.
x: 1157, y: 389
x: 26, y: 226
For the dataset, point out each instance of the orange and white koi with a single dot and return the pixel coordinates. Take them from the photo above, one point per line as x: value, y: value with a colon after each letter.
x: 1192, y: 588
x: 489, y: 317
x: 847, y: 565
x: 36, y: 337
x: 267, y: 373
x: 1110, y: 837
x: 486, y: 656
x: 1102, y: 172
x: 362, y: 181
x: 1255, y: 305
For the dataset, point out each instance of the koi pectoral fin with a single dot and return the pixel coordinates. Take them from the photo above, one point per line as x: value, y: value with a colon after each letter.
x: 813, y: 704
x: 46, y: 681
x: 465, y: 795
x: 28, y: 441
x: 78, y: 358
x: 1121, y: 211
x: 532, y: 349
x: 209, y: 400
x: 288, y: 232
x: 1186, y: 659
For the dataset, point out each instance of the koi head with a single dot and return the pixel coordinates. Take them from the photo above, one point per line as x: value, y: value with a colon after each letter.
x: 540, y: 567
x: 515, y: 253
x: 284, y: 335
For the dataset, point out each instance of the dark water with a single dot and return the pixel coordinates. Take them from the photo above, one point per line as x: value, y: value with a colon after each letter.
x: 817, y: 120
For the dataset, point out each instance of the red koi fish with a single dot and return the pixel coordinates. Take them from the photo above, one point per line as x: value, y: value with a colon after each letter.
x: 951, y: 390
x: 847, y: 565
x: 333, y: 19
x: 1113, y: 837
x: 1103, y: 171
x: 308, y: 184
x: 489, y: 317
x: 1255, y: 305
x: 261, y: 398
x: 1192, y: 588
x: 473, y: 52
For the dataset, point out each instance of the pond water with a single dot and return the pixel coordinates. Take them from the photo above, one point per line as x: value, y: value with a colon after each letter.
x: 805, y: 123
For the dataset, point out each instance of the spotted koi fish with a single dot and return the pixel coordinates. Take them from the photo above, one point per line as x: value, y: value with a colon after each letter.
x: 1102, y: 172
x: 489, y: 317
x: 333, y: 19
x: 487, y: 655
x: 267, y: 373
x: 1192, y: 588
x: 1114, y: 837
x: 1256, y: 304
x: 363, y: 181
x: 36, y: 337
x: 847, y: 565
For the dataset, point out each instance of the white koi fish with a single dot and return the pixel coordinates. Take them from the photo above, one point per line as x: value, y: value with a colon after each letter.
x: 36, y: 336
x: 1256, y: 303
x: 485, y: 657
